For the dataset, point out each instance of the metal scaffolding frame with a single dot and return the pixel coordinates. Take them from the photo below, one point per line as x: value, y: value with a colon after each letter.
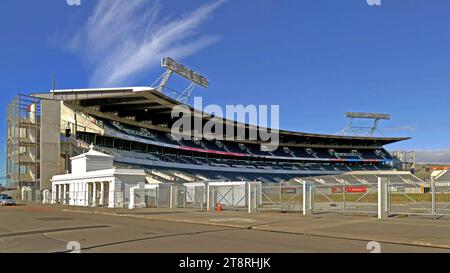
x: 23, y: 121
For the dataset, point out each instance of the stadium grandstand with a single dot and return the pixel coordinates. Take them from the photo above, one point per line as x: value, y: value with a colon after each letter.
x: 133, y: 125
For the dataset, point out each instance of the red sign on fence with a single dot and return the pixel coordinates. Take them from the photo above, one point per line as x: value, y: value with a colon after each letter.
x: 349, y: 189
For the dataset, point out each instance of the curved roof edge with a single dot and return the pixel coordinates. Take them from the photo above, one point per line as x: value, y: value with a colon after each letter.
x: 164, y: 100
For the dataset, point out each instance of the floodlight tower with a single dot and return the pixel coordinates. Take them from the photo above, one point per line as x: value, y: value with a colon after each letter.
x: 351, y: 129
x: 172, y: 66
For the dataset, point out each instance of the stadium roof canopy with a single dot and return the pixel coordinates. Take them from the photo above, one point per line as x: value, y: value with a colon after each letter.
x: 149, y: 108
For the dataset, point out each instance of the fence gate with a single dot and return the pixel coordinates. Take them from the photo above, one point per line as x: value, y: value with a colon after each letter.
x: 361, y: 198
x: 180, y: 196
x: 163, y: 196
x: 270, y: 197
x: 195, y: 197
x: 151, y: 198
x: 281, y: 196
x: 409, y: 199
x: 230, y: 196
x: 291, y: 198
x: 442, y: 198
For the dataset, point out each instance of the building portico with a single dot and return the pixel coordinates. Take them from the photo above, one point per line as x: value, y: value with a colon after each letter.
x: 95, y: 182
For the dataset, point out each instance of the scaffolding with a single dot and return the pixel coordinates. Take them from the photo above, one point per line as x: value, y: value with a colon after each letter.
x: 22, y: 142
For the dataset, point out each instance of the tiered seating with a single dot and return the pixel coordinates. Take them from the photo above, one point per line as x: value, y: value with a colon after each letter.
x: 369, y: 154
x: 168, y: 175
x: 233, y: 147
x: 370, y: 167
x: 324, y: 153
x: 343, y: 168
x: 329, y: 167
x: 235, y: 163
x: 229, y: 146
x: 356, y: 168
x: 190, y: 160
x: 251, y: 162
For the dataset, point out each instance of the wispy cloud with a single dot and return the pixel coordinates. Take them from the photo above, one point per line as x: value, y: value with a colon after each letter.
x: 123, y: 39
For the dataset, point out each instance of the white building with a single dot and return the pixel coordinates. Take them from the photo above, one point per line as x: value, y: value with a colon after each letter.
x: 95, y: 182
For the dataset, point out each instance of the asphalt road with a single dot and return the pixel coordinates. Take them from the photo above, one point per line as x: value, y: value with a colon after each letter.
x: 30, y: 229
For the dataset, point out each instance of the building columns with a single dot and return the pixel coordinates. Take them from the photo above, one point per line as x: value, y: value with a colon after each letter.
x: 85, y: 194
x: 94, y: 194
x: 111, y: 198
x: 65, y: 194
x: 102, y: 194
x: 76, y: 194
x: 53, y: 194
x: 62, y: 194
x: 68, y: 196
x: 71, y: 197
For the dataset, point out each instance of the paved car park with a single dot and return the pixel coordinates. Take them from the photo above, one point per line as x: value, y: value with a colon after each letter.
x: 37, y: 228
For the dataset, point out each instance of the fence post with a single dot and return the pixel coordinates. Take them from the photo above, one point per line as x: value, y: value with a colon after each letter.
x: 344, y: 188
x: 382, y: 197
x: 307, y: 198
x: 53, y: 193
x: 173, y: 197
x: 251, y: 197
x: 210, y: 206
x: 433, y: 197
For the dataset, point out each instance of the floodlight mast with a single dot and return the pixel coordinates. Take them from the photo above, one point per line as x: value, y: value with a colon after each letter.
x: 172, y: 66
x: 351, y: 129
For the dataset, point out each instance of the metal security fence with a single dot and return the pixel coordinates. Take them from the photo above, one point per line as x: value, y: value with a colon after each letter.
x: 163, y: 197
x: 442, y: 198
x: 228, y: 196
x: 409, y: 199
x: 280, y: 197
x: 345, y: 198
x: 151, y: 198
x: 383, y: 198
x: 195, y: 197
x: 426, y: 199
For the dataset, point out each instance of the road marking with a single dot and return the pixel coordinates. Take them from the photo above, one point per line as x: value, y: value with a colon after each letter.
x: 41, y: 231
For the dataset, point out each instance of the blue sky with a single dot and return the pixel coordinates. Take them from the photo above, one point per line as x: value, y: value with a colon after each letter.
x: 315, y: 58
